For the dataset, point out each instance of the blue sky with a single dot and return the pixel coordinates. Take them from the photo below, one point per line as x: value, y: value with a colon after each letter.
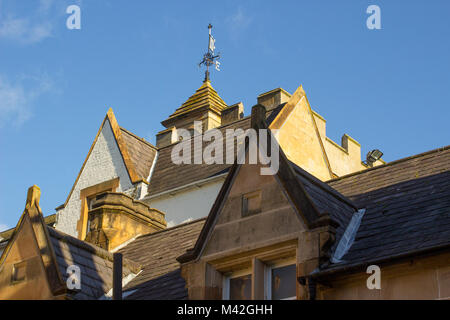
x: 388, y: 88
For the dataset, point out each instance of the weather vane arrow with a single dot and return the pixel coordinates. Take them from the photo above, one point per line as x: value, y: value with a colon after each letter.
x: 210, y: 58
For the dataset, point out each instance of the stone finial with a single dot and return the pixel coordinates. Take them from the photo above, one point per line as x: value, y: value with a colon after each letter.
x: 33, y: 196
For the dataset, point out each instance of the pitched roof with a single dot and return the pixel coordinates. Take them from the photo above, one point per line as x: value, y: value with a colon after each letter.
x: 33, y: 215
x: 58, y: 251
x: 280, y: 118
x: 157, y: 252
x: 6, y: 235
x: 136, y: 153
x: 204, y: 98
x: 410, y: 168
x: 326, y: 199
x: 141, y: 152
x: 168, y: 175
x: 96, y: 265
x: 407, y: 208
x: 315, y: 202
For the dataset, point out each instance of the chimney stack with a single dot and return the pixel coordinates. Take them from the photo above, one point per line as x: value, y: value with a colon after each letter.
x: 258, y: 118
x: 273, y: 98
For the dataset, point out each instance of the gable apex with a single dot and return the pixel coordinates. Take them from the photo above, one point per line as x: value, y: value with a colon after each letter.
x: 32, y: 216
x: 293, y: 188
x: 129, y: 146
x: 298, y: 127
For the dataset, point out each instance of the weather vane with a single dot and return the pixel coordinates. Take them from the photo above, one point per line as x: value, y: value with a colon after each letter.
x: 210, y: 58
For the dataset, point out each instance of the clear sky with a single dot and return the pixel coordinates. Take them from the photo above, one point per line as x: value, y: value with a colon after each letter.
x: 388, y: 88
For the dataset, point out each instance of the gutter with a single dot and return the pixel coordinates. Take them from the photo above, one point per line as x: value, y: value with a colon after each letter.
x: 186, y: 186
x: 380, y: 261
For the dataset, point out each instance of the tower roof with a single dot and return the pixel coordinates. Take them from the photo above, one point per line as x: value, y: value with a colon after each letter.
x: 205, y: 98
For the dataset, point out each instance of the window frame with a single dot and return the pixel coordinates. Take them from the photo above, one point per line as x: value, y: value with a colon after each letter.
x: 90, y: 192
x: 232, y: 275
x: 19, y: 267
x: 245, y: 210
x: 268, y: 276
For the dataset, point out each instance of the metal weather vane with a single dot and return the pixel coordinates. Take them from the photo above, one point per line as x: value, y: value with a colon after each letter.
x: 210, y: 58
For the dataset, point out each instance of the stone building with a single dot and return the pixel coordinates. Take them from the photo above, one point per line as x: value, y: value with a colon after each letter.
x: 224, y: 231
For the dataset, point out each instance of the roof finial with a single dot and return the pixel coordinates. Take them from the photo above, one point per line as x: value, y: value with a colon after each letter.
x: 210, y: 58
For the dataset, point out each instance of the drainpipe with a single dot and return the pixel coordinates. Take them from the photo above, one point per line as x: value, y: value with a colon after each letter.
x: 312, y: 286
x: 117, y: 276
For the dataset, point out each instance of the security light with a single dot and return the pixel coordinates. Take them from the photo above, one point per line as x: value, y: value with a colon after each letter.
x: 373, y: 156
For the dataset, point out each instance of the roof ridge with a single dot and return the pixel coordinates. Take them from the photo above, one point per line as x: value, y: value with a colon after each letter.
x: 440, y: 149
x: 42, y: 240
x: 233, y: 123
x: 123, y: 149
x: 5, y: 235
x: 138, y: 138
x: 81, y: 244
x: 84, y: 245
x: 323, y: 185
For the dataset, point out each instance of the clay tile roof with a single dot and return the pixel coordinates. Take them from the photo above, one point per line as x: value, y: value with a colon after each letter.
x: 96, y: 264
x: 407, y: 207
x: 141, y: 153
x: 168, y: 176
x: 157, y: 253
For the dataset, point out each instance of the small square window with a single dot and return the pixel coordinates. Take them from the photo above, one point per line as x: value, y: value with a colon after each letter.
x: 251, y: 203
x: 19, y: 271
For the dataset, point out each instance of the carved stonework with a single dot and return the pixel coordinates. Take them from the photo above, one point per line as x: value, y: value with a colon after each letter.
x: 117, y: 218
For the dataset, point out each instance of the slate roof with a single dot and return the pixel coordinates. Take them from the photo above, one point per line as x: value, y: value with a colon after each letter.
x: 96, y: 264
x: 327, y: 199
x: 156, y: 253
x: 407, y: 207
x: 141, y: 152
x: 167, y: 175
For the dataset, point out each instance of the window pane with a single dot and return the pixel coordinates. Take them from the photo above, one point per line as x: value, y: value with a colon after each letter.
x: 241, y: 288
x: 283, y: 282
